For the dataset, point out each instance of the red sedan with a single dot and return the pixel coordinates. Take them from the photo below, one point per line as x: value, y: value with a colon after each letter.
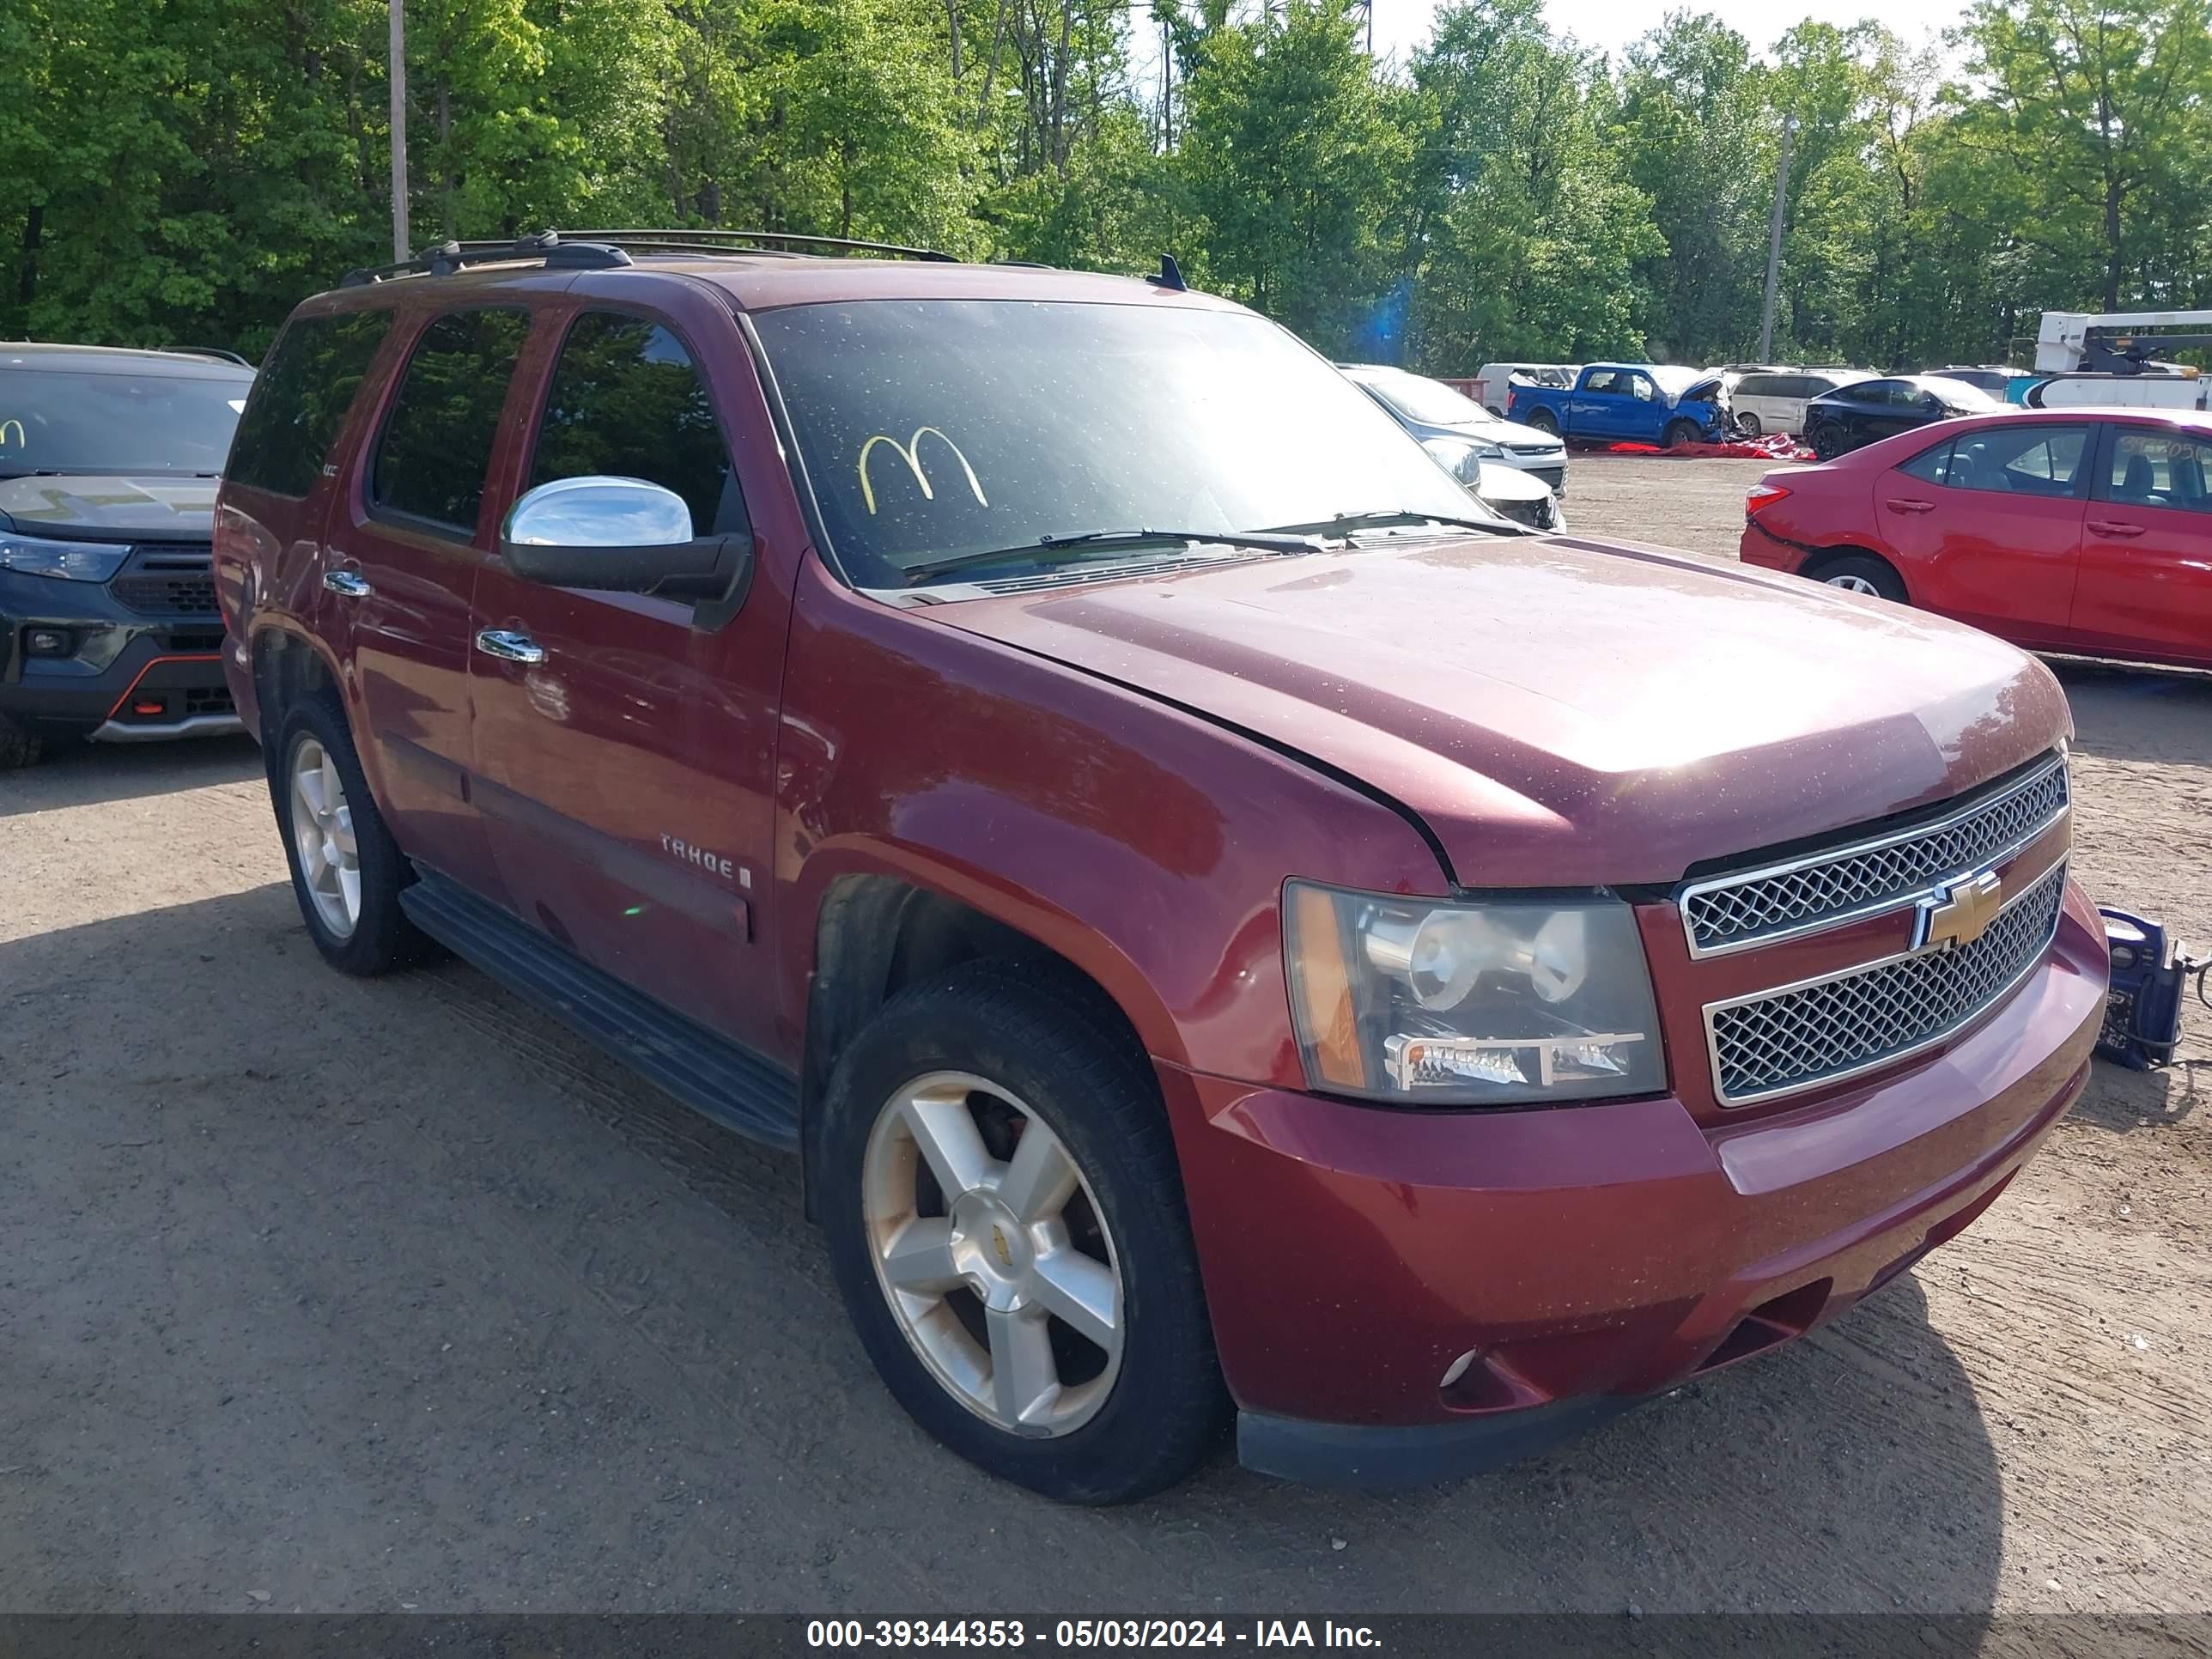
x: 2082, y: 531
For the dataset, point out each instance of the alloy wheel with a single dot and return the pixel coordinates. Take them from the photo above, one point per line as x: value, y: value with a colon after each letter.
x: 322, y: 835
x: 1854, y: 585
x: 992, y: 1254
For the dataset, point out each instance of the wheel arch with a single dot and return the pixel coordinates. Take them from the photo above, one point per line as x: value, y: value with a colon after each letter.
x: 880, y: 927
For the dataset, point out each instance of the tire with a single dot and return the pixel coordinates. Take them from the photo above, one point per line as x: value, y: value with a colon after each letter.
x: 1679, y: 433
x: 1003, y: 1051
x: 378, y: 937
x: 1748, y: 425
x: 1863, y: 573
x: 1828, y: 441
x: 1544, y: 421
x: 19, y: 745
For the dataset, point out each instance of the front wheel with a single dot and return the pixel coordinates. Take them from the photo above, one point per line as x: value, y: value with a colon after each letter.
x: 1005, y: 1219
x: 1863, y: 573
x: 19, y: 745
x: 1748, y: 425
x: 1680, y: 433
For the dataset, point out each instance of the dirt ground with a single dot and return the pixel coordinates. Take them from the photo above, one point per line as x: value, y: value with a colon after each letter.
x: 349, y: 1297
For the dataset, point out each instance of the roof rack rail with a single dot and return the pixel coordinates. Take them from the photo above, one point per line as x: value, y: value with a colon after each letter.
x: 216, y: 352
x: 603, y: 250
x: 443, y: 259
x: 724, y: 241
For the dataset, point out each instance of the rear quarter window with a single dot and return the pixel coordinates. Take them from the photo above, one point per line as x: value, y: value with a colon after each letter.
x: 293, y: 415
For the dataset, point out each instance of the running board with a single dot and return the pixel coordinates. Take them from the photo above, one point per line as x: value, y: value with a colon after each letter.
x: 731, y: 1084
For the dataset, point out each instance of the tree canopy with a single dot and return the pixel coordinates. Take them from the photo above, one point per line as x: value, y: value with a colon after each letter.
x: 184, y: 171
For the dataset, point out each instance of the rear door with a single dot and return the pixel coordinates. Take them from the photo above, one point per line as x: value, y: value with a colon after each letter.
x: 2146, y: 585
x: 407, y: 536
x: 626, y: 764
x: 1987, y: 526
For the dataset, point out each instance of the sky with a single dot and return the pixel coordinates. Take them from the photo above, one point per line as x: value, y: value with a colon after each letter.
x: 1401, y: 25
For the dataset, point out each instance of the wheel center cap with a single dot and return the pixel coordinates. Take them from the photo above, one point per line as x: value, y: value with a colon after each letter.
x: 991, y: 1247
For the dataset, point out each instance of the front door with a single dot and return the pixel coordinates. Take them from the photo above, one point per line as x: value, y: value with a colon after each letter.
x: 2146, y: 587
x: 1987, y: 527
x: 625, y: 743
x: 407, y: 540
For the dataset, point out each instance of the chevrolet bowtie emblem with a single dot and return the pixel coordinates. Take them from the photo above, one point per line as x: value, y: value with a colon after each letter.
x: 1959, y: 914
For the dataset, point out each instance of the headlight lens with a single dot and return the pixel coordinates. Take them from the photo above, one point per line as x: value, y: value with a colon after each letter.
x: 1469, y: 1005
x: 76, y: 562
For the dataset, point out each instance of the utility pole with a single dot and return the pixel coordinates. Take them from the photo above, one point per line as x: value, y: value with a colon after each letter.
x: 1773, y: 239
x: 399, y: 248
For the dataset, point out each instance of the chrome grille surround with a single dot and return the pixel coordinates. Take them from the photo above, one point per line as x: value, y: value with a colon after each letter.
x: 1838, y: 885
x: 1822, y: 1030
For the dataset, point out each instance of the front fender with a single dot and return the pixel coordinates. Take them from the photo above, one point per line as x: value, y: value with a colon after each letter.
x: 1144, y: 844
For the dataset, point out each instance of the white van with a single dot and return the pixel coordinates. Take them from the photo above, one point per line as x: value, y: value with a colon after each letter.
x: 1775, y: 400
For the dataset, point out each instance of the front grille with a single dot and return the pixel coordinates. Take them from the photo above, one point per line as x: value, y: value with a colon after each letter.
x: 1832, y: 886
x: 1828, y: 1028
x: 1535, y: 449
x: 168, y: 581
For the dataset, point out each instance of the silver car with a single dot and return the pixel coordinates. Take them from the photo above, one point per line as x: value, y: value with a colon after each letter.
x: 1429, y: 409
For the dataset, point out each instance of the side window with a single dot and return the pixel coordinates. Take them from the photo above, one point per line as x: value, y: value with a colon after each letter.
x: 1639, y: 387
x: 627, y: 402
x: 1760, y: 386
x: 437, y: 443
x: 294, y: 412
x: 2019, y: 460
x: 1605, y: 381
x: 2160, y: 469
x: 1932, y: 465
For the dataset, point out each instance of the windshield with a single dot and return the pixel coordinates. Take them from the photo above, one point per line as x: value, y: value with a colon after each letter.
x: 937, y: 430
x: 60, y: 421
x: 1430, y: 402
x: 1957, y: 394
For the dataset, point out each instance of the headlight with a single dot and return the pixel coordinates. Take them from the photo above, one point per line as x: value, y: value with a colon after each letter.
x: 1469, y: 1005
x: 76, y: 562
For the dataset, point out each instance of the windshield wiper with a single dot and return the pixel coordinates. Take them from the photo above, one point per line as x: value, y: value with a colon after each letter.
x: 1262, y: 541
x: 1381, y: 518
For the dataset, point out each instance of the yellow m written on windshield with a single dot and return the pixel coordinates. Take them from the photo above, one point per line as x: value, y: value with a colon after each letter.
x: 907, y: 452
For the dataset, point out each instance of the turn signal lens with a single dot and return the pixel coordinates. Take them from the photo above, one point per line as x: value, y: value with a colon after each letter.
x: 1321, y: 987
x: 1762, y: 494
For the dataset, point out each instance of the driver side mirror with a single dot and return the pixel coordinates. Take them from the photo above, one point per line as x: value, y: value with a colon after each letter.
x: 623, y: 536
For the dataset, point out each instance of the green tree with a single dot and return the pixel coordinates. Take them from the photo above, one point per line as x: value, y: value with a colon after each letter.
x: 1299, y: 165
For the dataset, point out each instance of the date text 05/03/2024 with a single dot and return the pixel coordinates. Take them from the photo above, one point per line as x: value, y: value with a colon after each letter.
x: 1078, y: 1633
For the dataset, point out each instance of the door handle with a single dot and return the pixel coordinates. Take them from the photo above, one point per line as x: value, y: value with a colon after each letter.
x: 1906, y: 504
x: 509, y: 645
x: 2111, y: 527
x: 346, y: 584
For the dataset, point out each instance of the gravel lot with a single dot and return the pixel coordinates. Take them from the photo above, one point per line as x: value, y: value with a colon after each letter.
x: 352, y: 1297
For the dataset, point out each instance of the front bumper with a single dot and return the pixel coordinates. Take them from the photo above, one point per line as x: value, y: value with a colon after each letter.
x: 1585, y: 1257
x: 1551, y: 470
x: 126, y: 673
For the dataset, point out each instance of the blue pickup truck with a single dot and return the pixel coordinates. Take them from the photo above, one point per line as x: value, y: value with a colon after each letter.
x: 1630, y: 403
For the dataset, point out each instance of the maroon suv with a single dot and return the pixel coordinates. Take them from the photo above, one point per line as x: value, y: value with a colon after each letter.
x: 1221, y: 923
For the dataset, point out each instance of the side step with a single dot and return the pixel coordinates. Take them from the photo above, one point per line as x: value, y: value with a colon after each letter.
x: 734, y: 1086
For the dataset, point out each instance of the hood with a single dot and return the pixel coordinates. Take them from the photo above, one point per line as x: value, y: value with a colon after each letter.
x: 1564, y: 712
x: 110, y: 509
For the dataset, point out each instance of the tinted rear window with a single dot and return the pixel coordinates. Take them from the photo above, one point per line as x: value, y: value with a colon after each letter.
x: 438, y: 439
x: 301, y: 399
